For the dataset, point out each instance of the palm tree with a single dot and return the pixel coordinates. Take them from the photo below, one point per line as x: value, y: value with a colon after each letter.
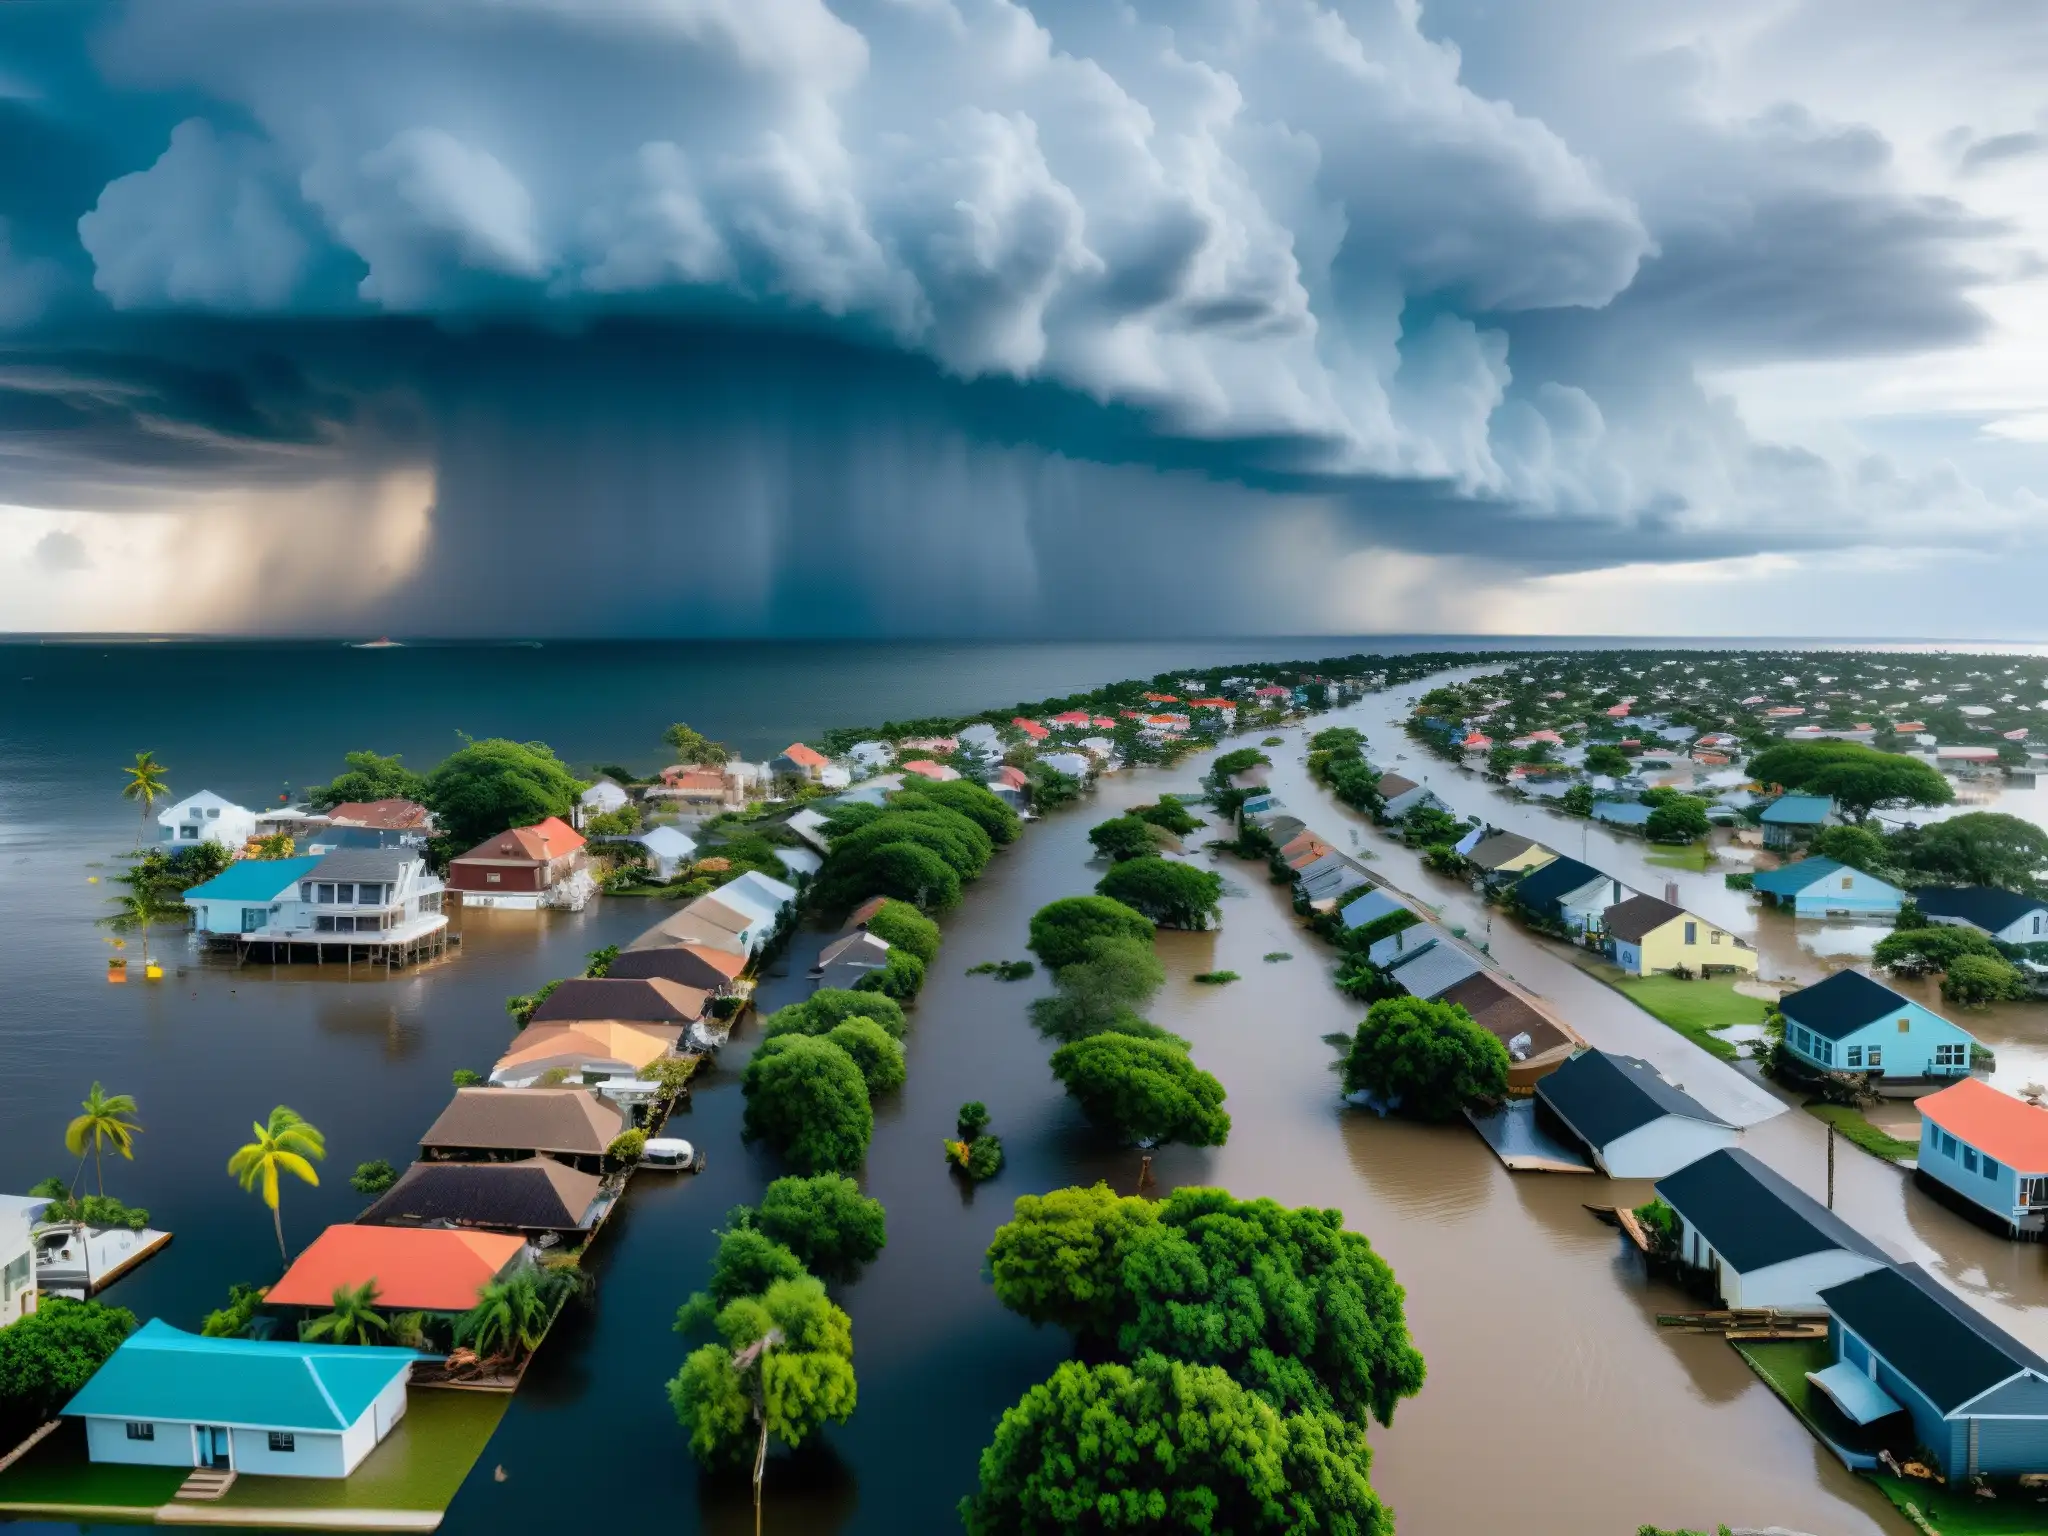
x: 510, y: 1317
x: 104, y: 1123
x: 354, y: 1320
x: 284, y: 1144
x: 136, y: 912
x: 146, y: 783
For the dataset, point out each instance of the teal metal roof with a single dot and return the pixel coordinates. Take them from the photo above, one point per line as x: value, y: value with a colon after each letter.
x: 254, y: 880
x: 1794, y: 878
x: 1799, y: 810
x: 164, y: 1373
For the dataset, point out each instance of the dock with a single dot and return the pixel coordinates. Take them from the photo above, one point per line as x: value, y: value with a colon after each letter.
x: 1524, y: 1146
x: 346, y: 950
x: 1752, y: 1323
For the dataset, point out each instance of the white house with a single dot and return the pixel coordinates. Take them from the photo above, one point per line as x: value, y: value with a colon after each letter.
x: 250, y: 894
x: 1402, y: 795
x: 870, y: 756
x: 167, y: 1398
x: 602, y: 797
x: 1764, y: 1241
x: 810, y: 826
x: 2006, y: 916
x: 668, y: 849
x: 982, y: 738
x: 386, y: 892
x: 1636, y: 1125
x: 207, y: 818
x: 18, y: 1217
x: 761, y: 891
x: 1076, y: 765
x: 800, y: 862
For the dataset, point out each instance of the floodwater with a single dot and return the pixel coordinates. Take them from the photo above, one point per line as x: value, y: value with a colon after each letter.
x: 1546, y: 1368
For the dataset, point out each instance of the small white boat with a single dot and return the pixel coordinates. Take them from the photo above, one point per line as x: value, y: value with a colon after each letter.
x: 670, y: 1152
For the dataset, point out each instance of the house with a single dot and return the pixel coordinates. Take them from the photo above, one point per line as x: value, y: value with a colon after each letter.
x: 844, y: 961
x: 1370, y: 908
x: 2006, y: 916
x: 1636, y: 1125
x: 249, y: 895
x: 983, y: 739
x: 669, y: 850
x: 603, y: 797
x: 385, y: 892
x: 1568, y: 892
x: 1645, y: 935
x: 1536, y: 1043
x: 1433, y: 970
x: 925, y: 768
x: 691, y: 965
x: 207, y: 818
x: 1075, y: 765
x: 1402, y: 795
x: 810, y: 824
x: 520, y: 868
x: 1390, y: 951
x: 640, y: 1000
x: 1827, y: 888
x: 1850, y: 1023
x: 700, y: 788
x: 798, y: 761
x: 18, y: 1217
x: 707, y: 924
x: 588, y: 1051
x: 167, y: 1398
x: 532, y: 1197
x: 1762, y: 1240
x: 1990, y: 1149
x: 870, y: 756
x: 799, y: 863
x: 1790, y: 819
x: 1031, y: 728
x: 763, y: 891
x: 1330, y: 878
x: 482, y: 1125
x: 417, y: 1269
x: 1903, y: 1342
x: 1507, y: 853
x: 395, y: 822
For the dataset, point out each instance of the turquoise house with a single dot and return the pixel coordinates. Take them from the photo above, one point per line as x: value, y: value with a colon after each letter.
x: 1850, y: 1023
x: 1790, y: 819
x: 244, y: 897
x: 167, y: 1398
x: 1826, y: 888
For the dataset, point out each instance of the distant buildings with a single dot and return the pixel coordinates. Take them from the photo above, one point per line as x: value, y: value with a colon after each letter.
x: 207, y: 818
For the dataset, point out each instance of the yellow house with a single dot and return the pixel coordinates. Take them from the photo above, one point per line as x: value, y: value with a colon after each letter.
x: 1645, y: 935
x: 1509, y: 853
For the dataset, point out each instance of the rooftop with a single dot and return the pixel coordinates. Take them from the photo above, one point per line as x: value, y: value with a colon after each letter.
x: 1503, y: 848
x: 416, y: 1269
x: 1370, y: 907
x: 552, y: 838
x: 631, y: 1043
x: 570, y: 1121
x: 1798, y: 876
x: 647, y: 999
x: 1981, y: 906
x: 1554, y: 881
x: 254, y: 880
x: 389, y: 815
x: 380, y: 865
x: 1842, y: 1004
x: 1754, y: 1217
x: 1505, y: 1015
x: 1604, y: 1096
x: 1633, y: 920
x: 1799, y: 810
x: 2009, y: 1129
x: 1947, y: 1349
x: 805, y: 757
x: 534, y: 1194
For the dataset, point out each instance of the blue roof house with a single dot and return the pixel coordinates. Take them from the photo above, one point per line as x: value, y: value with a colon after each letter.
x: 167, y: 1398
x: 1850, y: 1023
x: 1826, y: 888
x: 1371, y: 907
x: 1791, y: 819
x: 245, y: 896
x: 1977, y: 1397
x: 2005, y: 915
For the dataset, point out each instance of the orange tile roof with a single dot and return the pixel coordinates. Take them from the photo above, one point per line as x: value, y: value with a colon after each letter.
x: 1211, y: 704
x: 423, y: 1269
x: 2009, y: 1129
x: 1162, y: 698
x: 565, y: 1041
x: 808, y: 757
x: 553, y: 838
x: 725, y: 963
x: 927, y: 769
x: 1031, y: 728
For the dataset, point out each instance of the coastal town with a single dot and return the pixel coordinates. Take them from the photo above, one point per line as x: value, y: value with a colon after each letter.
x: 1793, y: 883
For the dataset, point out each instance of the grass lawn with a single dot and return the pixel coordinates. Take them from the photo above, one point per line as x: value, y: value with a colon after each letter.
x: 1870, y: 1138
x: 2012, y: 1513
x: 1694, y: 1008
x: 1693, y: 856
x: 1783, y: 1364
x: 419, y: 1465
x: 57, y: 1472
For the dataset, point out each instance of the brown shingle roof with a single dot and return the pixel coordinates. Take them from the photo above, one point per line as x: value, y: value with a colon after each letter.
x: 642, y: 999
x: 1393, y: 784
x: 389, y: 815
x: 572, y: 1121
x: 1504, y: 1015
x: 1631, y: 919
x: 534, y: 1194
x: 1501, y: 848
x: 694, y: 965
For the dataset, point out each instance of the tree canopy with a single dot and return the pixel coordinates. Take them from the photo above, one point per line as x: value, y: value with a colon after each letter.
x: 874, y: 1050
x: 1859, y: 779
x: 976, y: 802
x: 1143, y: 1091
x: 1162, y: 1446
x: 747, y: 1261
x: 1104, y: 992
x: 489, y: 786
x: 1858, y: 847
x: 808, y: 1100
x: 693, y: 746
x: 829, y: 1007
x: 1061, y: 931
x: 1933, y: 948
x: 1678, y: 819
x: 1429, y: 1058
x: 901, y: 926
x: 1123, y: 837
x: 47, y: 1356
x: 1606, y: 759
x: 1169, y: 814
x: 1294, y: 1307
x: 1977, y: 848
x: 1976, y: 981
x: 825, y: 1221
x: 369, y: 776
x: 786, y: 1354
x: 1175, y: 895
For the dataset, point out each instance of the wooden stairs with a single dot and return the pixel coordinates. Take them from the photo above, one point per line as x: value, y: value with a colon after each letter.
x: 205, y: 1485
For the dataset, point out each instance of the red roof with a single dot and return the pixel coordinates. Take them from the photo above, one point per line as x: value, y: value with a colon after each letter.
x: 391, y: 815
x: 2009, y: 1129
x: 1162, y: 698
x: 1031, y: 728
x: 1104, y: 722
x: 925, y: 768
x: 1071, y: 717
x: 417, y: 1269
x: 805, y: 757
x: 1014, y: 777
x: 1272, y: 691
x: 1210, y: 704
x: 544, y: 840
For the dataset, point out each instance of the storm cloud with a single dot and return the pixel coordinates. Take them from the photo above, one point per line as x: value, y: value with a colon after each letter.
x: 958, y: 316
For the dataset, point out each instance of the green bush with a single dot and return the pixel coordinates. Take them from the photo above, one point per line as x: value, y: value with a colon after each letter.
x: 1063, y: 930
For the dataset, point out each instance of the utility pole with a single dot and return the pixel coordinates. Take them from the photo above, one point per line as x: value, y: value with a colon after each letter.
x: 1831, y: 1165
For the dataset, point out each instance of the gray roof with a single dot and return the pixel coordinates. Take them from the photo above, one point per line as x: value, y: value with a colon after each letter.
x: 1940, y: 1343
x: 384, y: 865
x: 1754, y: 1217
x: 1604, y: 1096
x: 1396, y: 947
x: 1492, y: 852
x: 1437, y: 969
x: 1374, y: 904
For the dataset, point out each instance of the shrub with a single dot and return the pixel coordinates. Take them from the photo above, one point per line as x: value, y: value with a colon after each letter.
x: 627, y: 1147
x: 1062, y: 931
x: 1429, y: 1058
x: 902, y: 926
x: 233, y: 1320
x: 900, y: 976
x: 375, y: 1176
x: 806, y: 1098
x: 973, y: 1119
x: 874, y: 1051
x: 1215, y: 978
x: 1177, y: 895
x: 829, y: 1007
x: 1977, y: 981
x: 467, y: 1077
x: 1123, y: 837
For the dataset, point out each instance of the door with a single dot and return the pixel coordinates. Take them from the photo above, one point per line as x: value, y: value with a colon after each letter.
x: 213, y: 1447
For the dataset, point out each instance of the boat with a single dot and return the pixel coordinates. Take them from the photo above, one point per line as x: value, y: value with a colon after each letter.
x: 381, y: 643
x: 671, y: 1152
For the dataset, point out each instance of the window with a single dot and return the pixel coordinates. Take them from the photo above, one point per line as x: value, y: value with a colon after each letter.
x: 492, y: 879
x: 1951, y: 1055
x: 1874, y: 1057
x: 1848, y: 882
x: 1905, y: 1026
x: 369, y: 895
x: 14, y: 1278
x: 306, y: 891
x: 345, y: 895
x: 1714, y: 937
x: 1855, y: 1055
x: 141, y: 1431
x: 1692, y: 933
x: 1948, y: 1145
x: 323, y: 923
x: 283, y: 1440
x: 1825, y: 1049
x: 213, y: 811
x: 1990, y: 1167
x: 325, y: 895
x: 188, y: 832
x: 252, y: 918
x: 1970, y: 1159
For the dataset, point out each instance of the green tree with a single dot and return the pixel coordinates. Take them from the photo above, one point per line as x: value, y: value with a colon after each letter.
x: 901, y: 926
x: 146, y: 783
x: 1916, y: 951
x: 1977, y: 848
x: 286, y: 1143
x: 874, y: 1050
x: 1294, y: 1307
x: 1062, y: 931
x: 1429, y: 1058
x: 1173, y: 895
x: 1577, y: 801
x: 1164, y: 1446
x: 807, y: 1099
x: 979, y: 804
x: 828, y: 1007
x: 1503, y: 757
x: 900, y: 976
x: 510, y: 1317
x: 1977, y: 981
x: 1050, y: 789
x: 782, y: 1371
x: 49, y: 1355
x: 826, y: 1222
x: 491, y: 785
x: 352, y: 1317
x: 1169, y: 815
x: 1608, y: 760
x: 104, y: 1120
x: 1143, y: 1091
x: 376, y: 1176
x: 368, y: 776
x: 1859, y: 779
x: 1103, y: 992
x: 747, y: 1262
x: 1338, y: 738
x: 138, y: 910
x: 692, y: 746
x: 233, y: 1320
x: 1859, y: 847
x: 1123, y: 837
x: 1680, y: 819
x: 906, y: 870
x: 623, y: 822
x: 1229, y: 765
